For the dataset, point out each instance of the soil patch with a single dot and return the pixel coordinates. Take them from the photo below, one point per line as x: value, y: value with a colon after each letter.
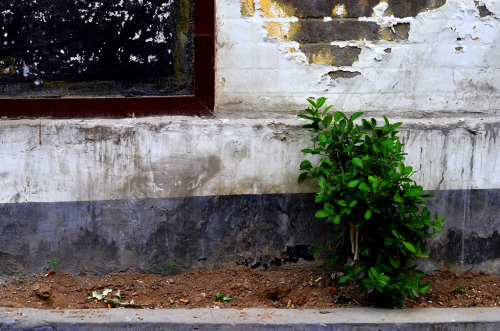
x: 242, y: 287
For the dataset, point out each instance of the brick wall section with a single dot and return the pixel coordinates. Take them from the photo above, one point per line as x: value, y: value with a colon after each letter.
x: 358, y: 8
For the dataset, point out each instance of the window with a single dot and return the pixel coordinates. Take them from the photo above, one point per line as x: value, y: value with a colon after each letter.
x: 113, y: 58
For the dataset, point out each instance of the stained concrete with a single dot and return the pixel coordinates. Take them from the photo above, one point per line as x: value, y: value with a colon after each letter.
x: 468, y: 319
x: 259, y: 231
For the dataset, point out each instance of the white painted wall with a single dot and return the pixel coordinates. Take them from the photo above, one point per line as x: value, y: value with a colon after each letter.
x: 75, y: 160
x: 427, y: 75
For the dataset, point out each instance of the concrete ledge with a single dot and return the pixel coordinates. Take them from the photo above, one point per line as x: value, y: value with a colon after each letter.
x: 484, y: 319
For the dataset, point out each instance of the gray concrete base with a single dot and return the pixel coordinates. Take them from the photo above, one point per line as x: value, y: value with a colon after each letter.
x: 484, y: 319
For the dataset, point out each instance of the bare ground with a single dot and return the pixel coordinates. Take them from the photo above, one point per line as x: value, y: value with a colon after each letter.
x: 285, y: 287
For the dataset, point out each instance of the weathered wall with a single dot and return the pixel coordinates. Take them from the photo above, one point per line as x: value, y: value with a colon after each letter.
x: 108, y: 195
x: 401, y: 58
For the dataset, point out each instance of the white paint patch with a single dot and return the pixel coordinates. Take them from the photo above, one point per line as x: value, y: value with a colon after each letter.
x: 379, y: 10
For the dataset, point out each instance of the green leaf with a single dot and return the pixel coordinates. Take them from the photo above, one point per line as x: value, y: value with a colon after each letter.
x: 344, y: 279
x: 353, y: 203
x: 302, y: 177
x: 326, y: 110
x: 312, y: 103
x: 357, y: 162
x: 388, y: 241
x: 322, y: 183
x: 327, y: 120
x: 396, y: 234
x: 387, y: 146
x: 353, y: 183
x: 305, y: 165
x: 336, y: 219
x: 398, y: 147
x: 424, y: 288
x: 342, y: 203
x: 320, y: 102
x: 412, y: 192
x: 307, y: 150
x: 356, y: 115
x: 321, y: 214
x: 397, y: 198
x: 394, y: 263
x: 322, y: 138
x: 409, y: 246
x: 368, y: 214
x: 423, y: 255
x: 374, y: 272
x: 364, y: 187
x: 306, y: 117
x: 338, y: 115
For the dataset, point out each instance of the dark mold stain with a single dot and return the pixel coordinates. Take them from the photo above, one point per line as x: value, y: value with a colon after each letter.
x: 317, y: 31
x: 331, y: 55
x: 343, y: 74
x: 479, y: 249
x: 214, y: 231
x: 483, y: 10
x: 450, y: 249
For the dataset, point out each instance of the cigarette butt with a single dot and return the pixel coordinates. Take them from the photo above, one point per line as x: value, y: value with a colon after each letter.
x: 183, y: 300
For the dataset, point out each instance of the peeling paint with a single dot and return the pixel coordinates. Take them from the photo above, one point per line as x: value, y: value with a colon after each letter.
x: 310, y: 29
x: 331, y: 55
x: 247, y: 8
x: 339, y: 11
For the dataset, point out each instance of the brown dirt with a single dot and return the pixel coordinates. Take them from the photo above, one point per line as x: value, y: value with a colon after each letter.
x: 285, y: 287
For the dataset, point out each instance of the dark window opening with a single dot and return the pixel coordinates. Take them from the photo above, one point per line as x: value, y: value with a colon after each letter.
x: 113, y: 58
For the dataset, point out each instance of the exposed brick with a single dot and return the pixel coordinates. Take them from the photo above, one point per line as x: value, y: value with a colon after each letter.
x: 247, y: 8
x: 316, y: 31
x: 330, y: 55
x: 322, y: 8
x: 398, y: 32
x: 412, y: 8
x: 357, y: 8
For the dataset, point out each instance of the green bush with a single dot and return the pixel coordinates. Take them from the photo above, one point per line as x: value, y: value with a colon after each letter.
x: 366, y: 191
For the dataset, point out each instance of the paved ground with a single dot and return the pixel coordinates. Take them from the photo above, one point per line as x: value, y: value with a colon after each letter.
x: 484, y: 319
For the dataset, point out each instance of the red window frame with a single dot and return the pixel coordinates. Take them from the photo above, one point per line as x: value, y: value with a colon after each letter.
x: 200, y: 104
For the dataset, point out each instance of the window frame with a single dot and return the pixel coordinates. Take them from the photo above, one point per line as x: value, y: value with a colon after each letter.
x: 201, y: 103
